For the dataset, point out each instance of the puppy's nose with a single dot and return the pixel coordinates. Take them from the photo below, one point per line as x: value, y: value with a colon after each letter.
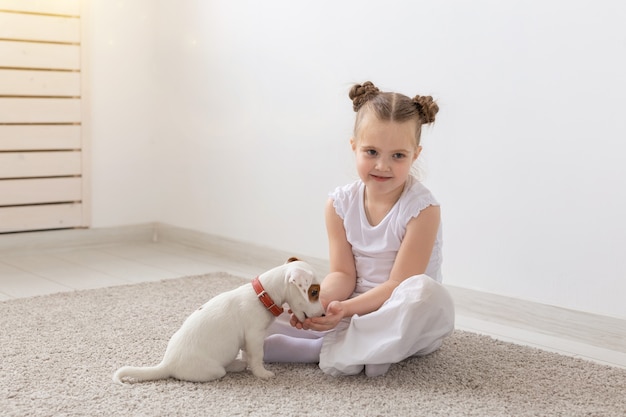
x: 323, y: 315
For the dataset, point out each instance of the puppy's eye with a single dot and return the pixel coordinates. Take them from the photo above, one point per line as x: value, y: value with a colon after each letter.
x: 314, y: 292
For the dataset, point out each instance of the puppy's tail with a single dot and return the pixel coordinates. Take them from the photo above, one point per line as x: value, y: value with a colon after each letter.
x: 148, y: 373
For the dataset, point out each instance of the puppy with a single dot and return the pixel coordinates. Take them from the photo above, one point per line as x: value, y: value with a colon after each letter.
x: 207, y: 344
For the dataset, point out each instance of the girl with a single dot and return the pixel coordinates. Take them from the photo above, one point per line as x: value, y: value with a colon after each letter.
x: 383, y: 296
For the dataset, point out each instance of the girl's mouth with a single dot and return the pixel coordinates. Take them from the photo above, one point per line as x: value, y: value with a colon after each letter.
x: 379, y: 178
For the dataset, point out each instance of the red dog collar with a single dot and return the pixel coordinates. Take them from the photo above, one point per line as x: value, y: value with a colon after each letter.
x: 265, y: 298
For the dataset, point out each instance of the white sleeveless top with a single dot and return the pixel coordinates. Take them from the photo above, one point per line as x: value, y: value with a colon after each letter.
x: 375, y: 247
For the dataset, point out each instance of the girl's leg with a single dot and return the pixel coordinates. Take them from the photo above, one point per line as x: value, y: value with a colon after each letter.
x: 281, y: 348
x: 285, y: 343
x: 377, y: 370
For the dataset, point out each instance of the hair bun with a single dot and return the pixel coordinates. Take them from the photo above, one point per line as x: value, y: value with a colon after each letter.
x: 361, y: 93
x: 426, y: 107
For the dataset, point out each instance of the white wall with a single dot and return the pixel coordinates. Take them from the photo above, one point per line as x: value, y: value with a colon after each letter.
x: 124, y: 91
x: 234, y: 120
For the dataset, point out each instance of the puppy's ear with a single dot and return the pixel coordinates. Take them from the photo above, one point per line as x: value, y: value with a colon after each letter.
x: 292, y: 259
x: 302, y: 280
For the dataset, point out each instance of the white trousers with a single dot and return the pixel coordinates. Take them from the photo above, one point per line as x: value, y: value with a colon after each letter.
x: 413, y: 321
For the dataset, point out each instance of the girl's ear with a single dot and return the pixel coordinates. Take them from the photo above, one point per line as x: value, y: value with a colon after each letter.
x: 417, y: 153
x: 353, y: 144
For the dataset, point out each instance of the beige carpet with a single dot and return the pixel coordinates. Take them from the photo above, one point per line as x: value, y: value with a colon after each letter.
x: 59, y: 352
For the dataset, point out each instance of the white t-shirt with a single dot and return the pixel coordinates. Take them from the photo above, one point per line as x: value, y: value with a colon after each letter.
x: 375, y: 247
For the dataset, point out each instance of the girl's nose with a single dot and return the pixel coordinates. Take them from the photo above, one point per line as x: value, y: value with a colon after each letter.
x: 381, y: 165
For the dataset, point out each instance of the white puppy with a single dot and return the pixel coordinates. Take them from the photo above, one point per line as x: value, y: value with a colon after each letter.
x: 207, y: 344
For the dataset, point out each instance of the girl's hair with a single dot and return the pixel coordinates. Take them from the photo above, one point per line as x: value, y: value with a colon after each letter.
x: 394, y: 107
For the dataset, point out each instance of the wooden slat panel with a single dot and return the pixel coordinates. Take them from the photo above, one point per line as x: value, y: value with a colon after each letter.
x: 55, y: 216
x: 32, y: 137
x: 33, y: 27
x: 41, y: 35
x: 39, y: 164
x: 40, y: 190
x: 64, y: 7
x: 39, y: 83
x: 39, y: 55
x: 39, y: 110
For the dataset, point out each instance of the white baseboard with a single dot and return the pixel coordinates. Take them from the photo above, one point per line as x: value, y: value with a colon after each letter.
x: 243, y: 252
x: 74, y: 238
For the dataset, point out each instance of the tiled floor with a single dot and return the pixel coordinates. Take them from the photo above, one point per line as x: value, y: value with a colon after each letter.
x: 28, y: 269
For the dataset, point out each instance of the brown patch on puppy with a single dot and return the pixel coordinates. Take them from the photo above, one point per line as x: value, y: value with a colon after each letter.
x: 314, y: 292
x: 292, y: 259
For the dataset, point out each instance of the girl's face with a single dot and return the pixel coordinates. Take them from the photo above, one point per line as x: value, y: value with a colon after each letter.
x: 385, y: 151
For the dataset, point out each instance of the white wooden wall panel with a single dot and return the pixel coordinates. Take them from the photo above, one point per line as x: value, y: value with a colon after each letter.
x: 42, y: 157
x: 60, y: 7
x: 39, y: 110
x: 39, y: 164
x: 39, y: 55
x: 39, y: 83
x: 47, y: 216
x: 39, y: 191
x: 39, y: 137
x: 39, y: 28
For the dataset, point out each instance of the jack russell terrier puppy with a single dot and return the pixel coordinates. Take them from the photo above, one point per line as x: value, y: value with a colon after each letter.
x: 207, y: 344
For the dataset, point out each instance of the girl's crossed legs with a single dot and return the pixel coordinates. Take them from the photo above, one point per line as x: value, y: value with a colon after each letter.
x: 413, y: 322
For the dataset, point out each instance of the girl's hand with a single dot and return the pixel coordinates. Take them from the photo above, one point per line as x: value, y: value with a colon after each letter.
x: 334, y: 314
x: 294, y: 321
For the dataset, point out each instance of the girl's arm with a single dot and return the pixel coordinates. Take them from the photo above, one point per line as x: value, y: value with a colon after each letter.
x: 339, y: 284
x: 412, y: 259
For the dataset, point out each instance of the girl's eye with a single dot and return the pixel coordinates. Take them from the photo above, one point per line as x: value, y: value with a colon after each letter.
x: 399, y: 156
x: 371, y: 152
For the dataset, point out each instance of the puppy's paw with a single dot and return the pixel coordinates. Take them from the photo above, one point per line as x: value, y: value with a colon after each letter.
x: 237, y: 365
x: 262, y: 373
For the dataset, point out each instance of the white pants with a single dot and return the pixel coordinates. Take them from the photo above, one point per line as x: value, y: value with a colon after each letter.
x: 413, y: 321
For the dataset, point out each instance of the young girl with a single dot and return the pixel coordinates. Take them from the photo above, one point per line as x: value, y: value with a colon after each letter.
x: 383, y: 296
